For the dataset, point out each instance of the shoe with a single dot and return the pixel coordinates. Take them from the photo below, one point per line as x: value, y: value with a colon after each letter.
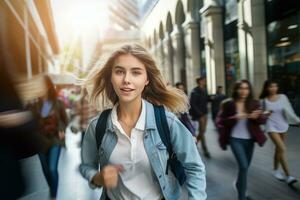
x: 278, y: 175
x: 249, y: 198
x: 290, y: 180
x: 235, y: 189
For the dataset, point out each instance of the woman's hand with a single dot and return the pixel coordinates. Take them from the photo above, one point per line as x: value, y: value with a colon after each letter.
x: 108, y: 177
x: 255, y: 114
x: 267, y: 113
x: 241, y: 116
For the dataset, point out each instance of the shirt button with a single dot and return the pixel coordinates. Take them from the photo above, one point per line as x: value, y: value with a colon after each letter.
x: 160, y: 176
x: 146, y: 136
x: 164, y: 187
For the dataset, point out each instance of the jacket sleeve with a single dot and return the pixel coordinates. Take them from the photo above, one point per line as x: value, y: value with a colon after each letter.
x: 89, y: 154
x: 224, y: 119
x: 185, y: 148
x: 194, y: 102
x: 289, y: 112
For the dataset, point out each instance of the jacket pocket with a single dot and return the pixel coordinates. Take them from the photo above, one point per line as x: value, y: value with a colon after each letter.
x: 162, y: 152
x: 161, y: 146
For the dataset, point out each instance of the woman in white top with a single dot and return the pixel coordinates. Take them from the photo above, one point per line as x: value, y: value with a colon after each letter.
x: 131, y: 160
x: 282, y: 114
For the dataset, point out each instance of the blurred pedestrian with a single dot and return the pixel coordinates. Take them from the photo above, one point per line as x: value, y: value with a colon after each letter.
x: 239, y: 125
x: 198, y: 111
x: 50, y: 112
x: 133, y: 155
x: 184, y: 117
x: 216, y: 102
x: 282, y: 114
x: 86, y: 111
x: 20, y: 169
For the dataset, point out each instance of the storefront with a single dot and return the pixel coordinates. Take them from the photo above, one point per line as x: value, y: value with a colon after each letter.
x: 232, y: 64
x: 283, y: 46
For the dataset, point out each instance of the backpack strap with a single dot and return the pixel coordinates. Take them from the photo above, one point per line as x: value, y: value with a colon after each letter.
x: 164, y: 131
x: 101, y: 126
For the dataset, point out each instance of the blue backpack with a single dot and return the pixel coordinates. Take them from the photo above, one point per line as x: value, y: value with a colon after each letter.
x: 164, y: 132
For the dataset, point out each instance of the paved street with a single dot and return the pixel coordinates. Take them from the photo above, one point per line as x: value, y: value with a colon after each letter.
x: 71, y: 184
x: 221, y: 171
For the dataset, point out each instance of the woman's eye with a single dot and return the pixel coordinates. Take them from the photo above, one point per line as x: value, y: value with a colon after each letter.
x: 136, y: 73
x: 119, y: 72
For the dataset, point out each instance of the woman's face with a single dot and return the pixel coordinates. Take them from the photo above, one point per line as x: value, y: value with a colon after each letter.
x: 129, y: 78
x: 273, y: 89
x: 243, y: 91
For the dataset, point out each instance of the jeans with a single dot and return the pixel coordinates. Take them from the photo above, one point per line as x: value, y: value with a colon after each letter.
x: 243, y: 151
x: 49, y: 162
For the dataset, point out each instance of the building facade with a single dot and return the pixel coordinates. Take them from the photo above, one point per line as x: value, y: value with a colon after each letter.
x: 124, y: 23
x: 225, y: 41
x: 28, y: 40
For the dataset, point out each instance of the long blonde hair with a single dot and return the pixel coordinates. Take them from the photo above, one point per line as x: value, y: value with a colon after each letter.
x: 156, y: 92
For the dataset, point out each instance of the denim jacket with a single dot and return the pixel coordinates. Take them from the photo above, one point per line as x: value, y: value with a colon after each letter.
x: 183, y: 145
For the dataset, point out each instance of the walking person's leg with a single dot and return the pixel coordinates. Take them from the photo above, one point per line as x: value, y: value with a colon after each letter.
x: 241, y: 153
x: 53, y: 159
x: 44, y: 162
x: 280, y: 157
x: 280, y: 151
x: 201, y: 135
x: 249, y: 152
x: 249, y: 148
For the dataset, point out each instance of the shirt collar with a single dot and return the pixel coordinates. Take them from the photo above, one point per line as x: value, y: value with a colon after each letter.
x: 140, y: 125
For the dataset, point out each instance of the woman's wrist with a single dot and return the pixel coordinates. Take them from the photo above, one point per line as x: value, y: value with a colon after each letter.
x: 97, y: 180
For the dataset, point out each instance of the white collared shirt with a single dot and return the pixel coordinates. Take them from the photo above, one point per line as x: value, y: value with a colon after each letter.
x: 136, y: 180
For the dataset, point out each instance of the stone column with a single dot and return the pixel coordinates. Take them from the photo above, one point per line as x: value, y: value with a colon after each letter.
x: 214, y: 46
x: 161, y: 58
x: 179, y: 53
x: 192, y: 46
x: 169, y: 63
x: 252, y: 42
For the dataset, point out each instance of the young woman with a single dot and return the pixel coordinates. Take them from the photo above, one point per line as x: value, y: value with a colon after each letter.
x: 238, y: 124
x: 277, y: 125
x: 132, y: 156
x: 50, y: 112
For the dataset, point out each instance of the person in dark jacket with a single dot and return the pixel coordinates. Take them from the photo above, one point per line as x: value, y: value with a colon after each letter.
x: 239, y: 126
x: 198, y: 111
x: 183, y: 117
x: 216, y: 101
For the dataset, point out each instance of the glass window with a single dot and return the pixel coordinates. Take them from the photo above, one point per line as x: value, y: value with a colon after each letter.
x: 230, y: 11
x: 232, y: 61
x: 283, y: 42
